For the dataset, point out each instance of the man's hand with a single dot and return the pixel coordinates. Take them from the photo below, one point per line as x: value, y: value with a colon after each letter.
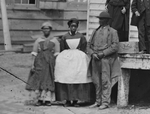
x: 123, y: 10
x: 137, y: 13
x: 95, y: 56
x: 100, y: 55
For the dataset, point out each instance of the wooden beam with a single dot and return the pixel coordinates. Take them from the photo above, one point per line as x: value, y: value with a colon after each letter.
x: 6, y: 33
x: 46, y: 15
x: 128, y: 47
x: 135, y: 61
x: 123, y: 88
x: 36, y: 25
x: 63, y: 5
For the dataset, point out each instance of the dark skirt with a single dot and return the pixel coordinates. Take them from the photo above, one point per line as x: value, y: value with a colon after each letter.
x: 81, y: 92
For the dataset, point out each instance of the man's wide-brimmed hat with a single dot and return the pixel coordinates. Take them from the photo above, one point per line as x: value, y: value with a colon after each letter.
x: 47, y: 24
x: 104, y: 14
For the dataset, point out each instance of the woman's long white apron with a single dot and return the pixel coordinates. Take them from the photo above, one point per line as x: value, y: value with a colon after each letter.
x: 71, y: 67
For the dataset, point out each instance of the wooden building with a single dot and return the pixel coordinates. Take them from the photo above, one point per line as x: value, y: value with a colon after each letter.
x: 133, y: 85
x: 26, y: 17
x: 94, y: 9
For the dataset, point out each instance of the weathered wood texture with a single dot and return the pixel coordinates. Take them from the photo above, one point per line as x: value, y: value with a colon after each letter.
x: 25, y: 20
x: 45, y: 14
x: 128, y: 47
x: 129, y: 62
x: 69, y: 5
x: 135, y: 61
x: 123, y: 88
x: 133, y: 29
x: 94, y: 9
x: 16, y: 24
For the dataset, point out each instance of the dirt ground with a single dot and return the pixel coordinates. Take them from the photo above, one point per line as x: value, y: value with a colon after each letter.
x: 13, y: 94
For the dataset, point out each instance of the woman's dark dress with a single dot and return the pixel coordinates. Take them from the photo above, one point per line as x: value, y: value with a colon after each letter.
x: 80, y: 91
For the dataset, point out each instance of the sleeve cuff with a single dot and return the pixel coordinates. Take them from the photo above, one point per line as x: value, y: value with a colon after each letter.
x: 34, y: 53
x: 104, y: 53
x: 55, y: 54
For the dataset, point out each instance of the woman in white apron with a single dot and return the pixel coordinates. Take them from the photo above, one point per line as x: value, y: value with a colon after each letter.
x: 72, y: 82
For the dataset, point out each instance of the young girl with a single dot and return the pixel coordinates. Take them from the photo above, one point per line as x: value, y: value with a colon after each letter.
x: 41, y: 78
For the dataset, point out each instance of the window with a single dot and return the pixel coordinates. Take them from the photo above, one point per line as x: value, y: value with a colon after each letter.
x: 25, y: 2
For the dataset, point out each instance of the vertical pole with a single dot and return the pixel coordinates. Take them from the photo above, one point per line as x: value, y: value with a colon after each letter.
x: 88, y: 16
x: 7, y: 40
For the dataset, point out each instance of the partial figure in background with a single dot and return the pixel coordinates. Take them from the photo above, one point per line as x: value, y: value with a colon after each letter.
x: 41, y: 77
x: 104, y: 64
x: 141, y: 9
x: 72, y: 81
x: 119, y: 12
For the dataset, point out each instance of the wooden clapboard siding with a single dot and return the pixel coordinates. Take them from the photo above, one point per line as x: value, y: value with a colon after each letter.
x: 68, y: 5
x: 36, y: 24
x: 133, y: 30
x: 25, y: 21
x: 22, y: 37
x: 94, y: 9
x: 46, y: 14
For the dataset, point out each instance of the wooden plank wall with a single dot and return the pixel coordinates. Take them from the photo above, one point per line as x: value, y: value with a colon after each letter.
x: 26, y: 22
x: 94, y: 9
x: 133, y: 30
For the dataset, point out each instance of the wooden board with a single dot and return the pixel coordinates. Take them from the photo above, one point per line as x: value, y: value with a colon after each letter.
x: 135, y: 61
x: 36, y: 25
x: 63, y: 5
x: 45, y: 15
x: 27, y: 36
x: 128, y: 47
x: 98, y: 1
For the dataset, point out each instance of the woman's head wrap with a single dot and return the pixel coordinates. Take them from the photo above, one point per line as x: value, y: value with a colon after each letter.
x: 73, y: 20
x: 47, y: 24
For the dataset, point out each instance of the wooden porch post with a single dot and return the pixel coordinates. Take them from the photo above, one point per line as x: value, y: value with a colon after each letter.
x: 123, y: 88
x: 7, y: 40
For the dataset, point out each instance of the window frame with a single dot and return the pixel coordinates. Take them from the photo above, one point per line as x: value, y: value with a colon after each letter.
x: 15, y: 6
x: 25, y: 4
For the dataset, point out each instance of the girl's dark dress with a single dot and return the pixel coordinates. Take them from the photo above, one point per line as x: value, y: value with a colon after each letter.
x: 42, y: 76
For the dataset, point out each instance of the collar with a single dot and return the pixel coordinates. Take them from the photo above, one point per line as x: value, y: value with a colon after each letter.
x: 107, y: 26
x: 100, y: 27
x: 71, y: 33
x: 43, y: 37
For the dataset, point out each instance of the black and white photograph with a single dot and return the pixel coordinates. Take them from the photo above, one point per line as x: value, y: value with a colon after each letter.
x: 74, y: 56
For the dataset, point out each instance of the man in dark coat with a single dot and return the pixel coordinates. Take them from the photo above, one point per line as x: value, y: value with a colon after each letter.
x: 141, y: 8
x: 104, y: 64
x: 119, y: 12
